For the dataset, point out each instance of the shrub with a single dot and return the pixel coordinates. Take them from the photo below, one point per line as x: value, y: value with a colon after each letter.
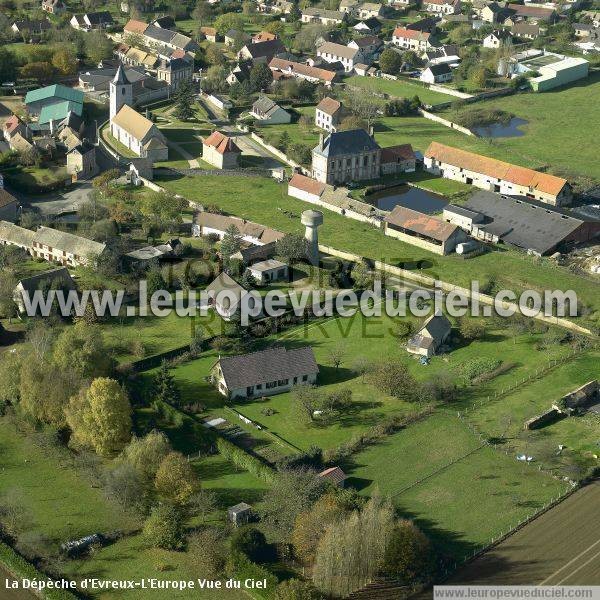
x: 478, y: 366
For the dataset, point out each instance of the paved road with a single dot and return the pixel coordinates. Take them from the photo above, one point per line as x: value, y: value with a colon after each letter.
x: 562, y: 547
x: 56, y: 203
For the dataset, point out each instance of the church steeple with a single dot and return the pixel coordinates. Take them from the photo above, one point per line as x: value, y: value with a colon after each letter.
x: 121, y: 92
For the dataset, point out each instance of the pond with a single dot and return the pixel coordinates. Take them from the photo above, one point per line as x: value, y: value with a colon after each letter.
x: 409, y: 197
x: 502, y: 130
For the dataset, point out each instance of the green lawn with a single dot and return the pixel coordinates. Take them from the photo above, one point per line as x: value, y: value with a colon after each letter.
x: 461, y: 494
x: 402, y: 88
x: 264, y: 200
x: 562, y: 132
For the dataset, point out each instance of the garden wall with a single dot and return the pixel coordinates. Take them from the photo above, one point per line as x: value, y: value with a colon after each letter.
x: 446, y: 122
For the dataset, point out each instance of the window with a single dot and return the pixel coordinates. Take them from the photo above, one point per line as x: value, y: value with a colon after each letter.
x: 304, y: 377
x: 259, y: 386
x: 271, y: 385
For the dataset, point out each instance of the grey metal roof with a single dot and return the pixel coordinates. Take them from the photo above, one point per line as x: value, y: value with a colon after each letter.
x: 523, y: 222
x: 267, y: 265
x: 441, y: 69
x: 159, y: 34
x: 268, y: 48
x: 60, y: 275
x: 351, y: 141
x: 267, y: 365
x: 72, y: 244
x: 464, y: 212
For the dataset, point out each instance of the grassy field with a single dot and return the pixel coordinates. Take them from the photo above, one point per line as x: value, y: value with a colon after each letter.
x: 562, y: 129
x: 543, y: 551
x: 460, y: 493
x: 265, y: 200
x: 400, y: 89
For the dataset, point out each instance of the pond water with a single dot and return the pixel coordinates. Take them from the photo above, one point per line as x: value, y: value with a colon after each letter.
x: 409, y: 197
x: 502, y: 130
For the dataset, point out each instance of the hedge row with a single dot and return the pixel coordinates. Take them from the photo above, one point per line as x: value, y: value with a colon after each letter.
x: 243, y: 460
x: 21, y: 569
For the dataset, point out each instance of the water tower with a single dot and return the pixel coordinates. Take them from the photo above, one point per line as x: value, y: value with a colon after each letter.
x: 312, y: 219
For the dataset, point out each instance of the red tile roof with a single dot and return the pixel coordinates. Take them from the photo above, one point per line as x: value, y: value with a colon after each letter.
x: 287, y: 66
x: 420, y: 223
x: 11, y: 123
x: 329, y: 105
x: 402, y: 151
x: 264, y: 36
x: 221, y: 143
x: 306, y: 184
x: 134, y: 26
x: 334, y: 474
x: 411, y: 34
x: 543, y: 182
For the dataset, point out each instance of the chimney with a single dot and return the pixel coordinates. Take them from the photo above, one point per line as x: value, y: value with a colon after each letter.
x: 372, y: 132
x: 321, y: 139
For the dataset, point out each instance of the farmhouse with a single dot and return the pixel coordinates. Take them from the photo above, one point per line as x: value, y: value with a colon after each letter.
x: 522, y: 223
x: 221, y: 151
x: 261, y: 51
x: 343, y: 156
x: 298, y: 70
x: 411, y: 39
x: 398, y: 159
x: 525, y: 30
x: 370, y: 26
x: 534, y: 14
x: 369, y: 45
x: 31, y: 27
x: 305, y: 188
x: 268, y: 112
x: 423, y: 230
x: 328, y: 114
x: 226, y: 296
x: 81, y: 161
x: 433, y: 334
x: 265, y: 373
x: 269, y: 270
x: 323, y: 16
x: 13, y: 126
x: 259, y: 235
x: 53, y: 279
x: 495, y: 175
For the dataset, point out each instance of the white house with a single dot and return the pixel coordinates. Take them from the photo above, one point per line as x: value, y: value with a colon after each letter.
x: 332, y: 53
x: 442, y: 7
x: 497, y: 39
x: 322, y: 16
x: 269, y: 113
x: 267, y: 271
x: 328, y: 114
x: 305, y: 188
x: 264, y: 373
x: 436, y: 74
x: 411, y: 39
x: 221, y: 151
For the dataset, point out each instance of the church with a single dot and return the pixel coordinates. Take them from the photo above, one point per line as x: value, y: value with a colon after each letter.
x: 133, y: 130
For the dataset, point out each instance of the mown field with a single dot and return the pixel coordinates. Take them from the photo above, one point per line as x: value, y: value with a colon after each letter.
x: 264, y: 201
x: 558, y: 548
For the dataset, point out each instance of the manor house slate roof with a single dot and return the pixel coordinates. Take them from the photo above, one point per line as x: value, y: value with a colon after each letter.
x: 267, y: 365
x: 351, y: 141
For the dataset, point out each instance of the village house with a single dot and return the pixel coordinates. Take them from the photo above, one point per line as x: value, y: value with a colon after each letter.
x: 398, y: 159
x: 288, y: 68
x: 368, y: 26
x: 221, y: 151
x: 533, y: 14
x: 526, y: 31
x: 370, y: 47
x: 268, y: 271
x: 253, y: 233
x: 496, y: 175
x: 14, y: 126
x: 261, y: 51
x: 439, y: 73
x: 328, y: 114
x: 322, y: 16
x: 56, y: 279
x: 240, y: 514
x: 422, y: 230
x: 226, y: 296
x: 430, y: 338
x: 175, y: 71
x: 305, y: 188
x: 134, y: 27
x: 264, y: 373
x: 368, y: 10
x: 442, y: 7
x: 30, y: 28
x: 54, y: 7
x: 497, y: 39
x: 348, y: 6
x: 93, y: 20
x: 264, y: 36
x: 130, y: 128
x: 210, y: 34
x: 268, y: 112
x: 345, y: 156
x: 234, y: 36
x: 9, y: 206
x: 492, y: 12
x: 333, y: 53
x: 239, y: 73
x: 411, y: 39
x: 81, y: 161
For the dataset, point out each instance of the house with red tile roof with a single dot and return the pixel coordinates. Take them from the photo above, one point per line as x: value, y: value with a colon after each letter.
x: 398, y: 159
x: 221, y: 151
x: 424, y: 231
x: 496, y: 175
x: 287, y: 68
x: 305, y: 188
x: 411, y: 39
x: 328, y: 114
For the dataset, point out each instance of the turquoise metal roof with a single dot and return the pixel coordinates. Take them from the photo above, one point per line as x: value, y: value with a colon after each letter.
x: 54, y: 91
x: 59, y: 111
